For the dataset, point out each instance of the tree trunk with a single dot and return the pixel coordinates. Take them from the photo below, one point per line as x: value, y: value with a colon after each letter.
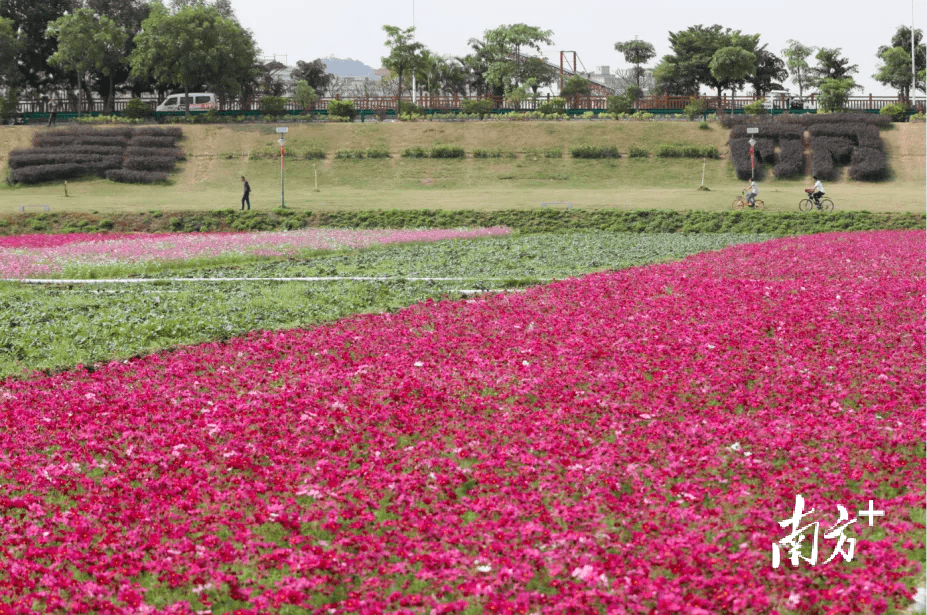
x: 79, y: 92
x: 110, y: 103
x: 186, y: 100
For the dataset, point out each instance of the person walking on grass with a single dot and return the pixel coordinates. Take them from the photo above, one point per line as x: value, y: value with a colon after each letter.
x: 245, y: 198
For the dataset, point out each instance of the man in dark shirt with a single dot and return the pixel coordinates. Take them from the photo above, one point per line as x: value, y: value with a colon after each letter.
x: 245, y: 198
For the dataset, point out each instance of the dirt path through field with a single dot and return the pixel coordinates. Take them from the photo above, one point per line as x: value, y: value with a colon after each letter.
x: 202, y: 159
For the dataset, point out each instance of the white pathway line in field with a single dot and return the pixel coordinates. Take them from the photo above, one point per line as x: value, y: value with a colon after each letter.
x: 307, y: 279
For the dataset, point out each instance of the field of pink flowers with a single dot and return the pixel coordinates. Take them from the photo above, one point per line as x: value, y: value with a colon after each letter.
x: 24, y: 256
x: 626, y: 442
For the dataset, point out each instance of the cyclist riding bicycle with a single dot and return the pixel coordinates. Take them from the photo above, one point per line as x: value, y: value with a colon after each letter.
x: 752, y: 191
x: 816, y: 192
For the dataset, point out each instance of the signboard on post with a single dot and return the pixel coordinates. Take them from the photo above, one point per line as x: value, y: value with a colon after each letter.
x: 752, y: 131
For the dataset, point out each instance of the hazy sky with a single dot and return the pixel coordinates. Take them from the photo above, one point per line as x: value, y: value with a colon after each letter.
x: 309, y: 30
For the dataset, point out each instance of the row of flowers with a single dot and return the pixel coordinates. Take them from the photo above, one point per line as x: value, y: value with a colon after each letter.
x: 26, y: 256
x: 627, y: 442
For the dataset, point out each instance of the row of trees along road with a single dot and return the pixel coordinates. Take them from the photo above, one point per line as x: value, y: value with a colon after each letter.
x: 136, y: 46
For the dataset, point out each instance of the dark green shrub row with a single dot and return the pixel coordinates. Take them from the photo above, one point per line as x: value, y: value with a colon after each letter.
x: 840, y: 148
x: 357, y: 153
x: 127, y: 176
x: 638, y: 152
x: 551, y: 152
x: 822, y: 165
x: 687, y: 151
x: 595, y: 151
x: 447, y: 151
x: 868, y: 164
x: 526, y: 221
x: 160, y: 131
x: 477, y: 107
x: 176, y: 152
x: 152, y: 141
x: 803, y: 119
x: 35, y: 158
x: 493, y: 153
x: 791, y: 162
x: 773, y: 130
x: 150, y: 163
x: 71, y: 170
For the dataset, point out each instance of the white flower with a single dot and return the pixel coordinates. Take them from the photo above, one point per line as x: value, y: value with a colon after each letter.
x: 418, y: 364
x: 484, y: 567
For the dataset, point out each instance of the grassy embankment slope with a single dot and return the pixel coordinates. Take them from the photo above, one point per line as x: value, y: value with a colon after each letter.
x: 218, y: 155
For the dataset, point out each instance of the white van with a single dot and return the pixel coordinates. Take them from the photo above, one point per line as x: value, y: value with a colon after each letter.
x: 199, y: 101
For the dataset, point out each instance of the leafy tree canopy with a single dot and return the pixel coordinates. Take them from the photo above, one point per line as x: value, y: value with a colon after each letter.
x: 86, y: 41
x: 796, y: 60
x: 636, y: 52
x: 895, y: 68
x: 404, y: 53
x: 688, y: 67
x: 30, y: 20
x: 831, y: 66
x: 195, y: 46
x: 314, y: 74
x: 10, y: 46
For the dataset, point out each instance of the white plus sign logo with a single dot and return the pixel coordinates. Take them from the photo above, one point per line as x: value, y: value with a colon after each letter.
x: 871, y: 513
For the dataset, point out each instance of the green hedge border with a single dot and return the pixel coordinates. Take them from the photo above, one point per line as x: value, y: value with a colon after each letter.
x: 525, y: 221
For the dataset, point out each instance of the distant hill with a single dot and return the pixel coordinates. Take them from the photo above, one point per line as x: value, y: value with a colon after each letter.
x: 348, y: 68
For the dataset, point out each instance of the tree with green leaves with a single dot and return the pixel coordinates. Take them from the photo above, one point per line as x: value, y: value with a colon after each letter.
x: 538, y: 72
x: 30, y: 21
x: 403, y: 54
x: 796, y: 60
x: 689, y: 66
x: 895, y: 70
x: 10, y: 78
x: 831, y: 65
x: 10, y: 47
x: 194, y: 47
x: 833, y: 94
x: 770, y: 72
x: 86, y: 41
x: 731, y: 66
x: 636, y: 52
x: 504, y: 46
x: 315, y: 74
x: 129, y: 15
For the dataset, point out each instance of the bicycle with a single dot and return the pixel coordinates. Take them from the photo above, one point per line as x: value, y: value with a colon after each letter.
x: 825, y: 204
x: 741, y: 202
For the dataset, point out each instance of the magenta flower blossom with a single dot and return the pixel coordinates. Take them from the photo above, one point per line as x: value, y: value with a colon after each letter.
x: 625, y: 442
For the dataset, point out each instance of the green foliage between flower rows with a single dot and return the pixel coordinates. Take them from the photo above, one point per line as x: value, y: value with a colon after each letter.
x: 54, y: 328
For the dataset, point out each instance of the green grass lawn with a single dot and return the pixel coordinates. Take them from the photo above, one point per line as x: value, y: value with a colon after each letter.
x: 219, y: 155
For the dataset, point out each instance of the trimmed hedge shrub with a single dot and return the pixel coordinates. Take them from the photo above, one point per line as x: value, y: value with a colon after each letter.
x: 349, y: 154
x: 150, y: 163
x: 415, y: 152
x: 127, y: 176
x: 687, y: 151
x: 840, y: 148
x: 595, y: 151
x: 81, y: 151
x: 160, y: 131
x: 447, y: 151
x: 492, y: 153
x: 822, y: 165
x: 898, y: 113
x: 868, y: 164
x: 791, y: 161
x: 342, y: 108
x: 477, y: 107
x: 175, y: 152
x: 638, y: 152
x: 138, y: 110
x: 376, y: 152
x: 153, y: 141
x: 314, y: 153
